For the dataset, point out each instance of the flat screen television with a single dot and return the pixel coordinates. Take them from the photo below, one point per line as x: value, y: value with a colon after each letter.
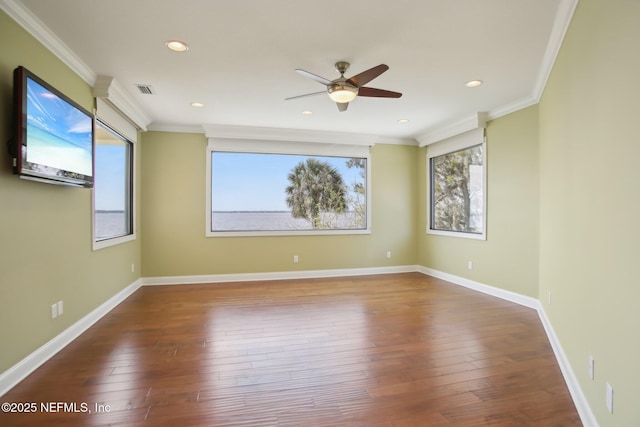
x: 53, y: 140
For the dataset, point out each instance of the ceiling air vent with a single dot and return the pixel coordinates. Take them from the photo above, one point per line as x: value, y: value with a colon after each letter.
x: 145, y: 89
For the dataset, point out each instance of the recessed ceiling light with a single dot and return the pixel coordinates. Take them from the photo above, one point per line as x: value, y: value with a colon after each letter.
x: 197, y: 104
x: 307, y: 113
x: 473, y: 83
x: 403, y: 121
x: 176, y: 45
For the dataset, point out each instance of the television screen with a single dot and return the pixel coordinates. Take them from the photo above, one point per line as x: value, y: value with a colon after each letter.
x: 54, y: 138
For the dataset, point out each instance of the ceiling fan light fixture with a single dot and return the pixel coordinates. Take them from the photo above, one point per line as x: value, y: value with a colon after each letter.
x: 342, y: 92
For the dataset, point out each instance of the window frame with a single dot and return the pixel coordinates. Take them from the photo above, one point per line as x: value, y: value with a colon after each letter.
x: 285, y: 147
x: 451, y: 145
x: 102, y: 243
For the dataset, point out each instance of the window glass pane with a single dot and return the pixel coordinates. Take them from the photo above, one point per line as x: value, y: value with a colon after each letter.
x: 278, y: 192
x: 112, y: 192
x: 457, y: 191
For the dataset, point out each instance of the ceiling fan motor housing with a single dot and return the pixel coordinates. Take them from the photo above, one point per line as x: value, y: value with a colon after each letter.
x: 342, y: 67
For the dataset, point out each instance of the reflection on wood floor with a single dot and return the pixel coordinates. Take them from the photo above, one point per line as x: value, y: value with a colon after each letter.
x: 387, y: 350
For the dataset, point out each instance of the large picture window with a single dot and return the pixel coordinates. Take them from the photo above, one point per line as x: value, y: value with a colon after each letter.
x: 113, y: 188
x: 284, y: 193
x: 457, y: 188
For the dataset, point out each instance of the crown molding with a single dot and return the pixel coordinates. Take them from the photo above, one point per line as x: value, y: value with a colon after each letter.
x: 566, y: 8
x: 44, y: 35
x: 561, y: 23
x: 110, y: 90
x: 511, y: 108
x: 477, y: 120
x: 266, y: 133
x: 283, y: 134
x: 397, y: 141
x: 116, y: 94
x: 175, y: 127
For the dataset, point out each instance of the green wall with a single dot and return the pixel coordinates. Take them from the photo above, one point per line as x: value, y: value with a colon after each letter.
x: 508, y: 259
x: 173, y: 205
x: 45, y: 230
x: 590, y: 202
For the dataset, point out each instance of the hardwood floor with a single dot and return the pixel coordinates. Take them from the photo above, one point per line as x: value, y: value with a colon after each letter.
x: 393, y: 350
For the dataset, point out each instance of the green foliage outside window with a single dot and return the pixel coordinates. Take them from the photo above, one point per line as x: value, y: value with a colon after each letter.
x: 457, y: 187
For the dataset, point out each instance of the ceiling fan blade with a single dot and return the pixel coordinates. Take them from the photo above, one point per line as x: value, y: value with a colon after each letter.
x: 342, y: 106
x: 378, y: 93
x: 305, y: 95
x: 365, y: 77
x: 313, y: 77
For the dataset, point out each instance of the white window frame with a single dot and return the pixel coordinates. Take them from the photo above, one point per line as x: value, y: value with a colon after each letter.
x: 121, y: 126
x: 285, y: 147
x: 450, y: 145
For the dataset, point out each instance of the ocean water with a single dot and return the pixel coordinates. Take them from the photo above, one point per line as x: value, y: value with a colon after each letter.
x: 270, y: 221
x: 257, y: 221
x: 110, y: 224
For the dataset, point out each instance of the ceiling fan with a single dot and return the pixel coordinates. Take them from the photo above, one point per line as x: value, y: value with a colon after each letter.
x: 344, y: 90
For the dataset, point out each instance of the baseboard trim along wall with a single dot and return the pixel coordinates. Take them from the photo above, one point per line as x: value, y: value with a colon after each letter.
x: 22, y: 369
x: 579, y: 399
x: 582, y: 405
x: 278, y: 275
x: 12, y: 376
x: 480, y: 287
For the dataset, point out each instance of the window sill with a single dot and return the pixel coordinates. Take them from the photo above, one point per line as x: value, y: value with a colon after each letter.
x: 284, y: 233
x: 107, y: 243
x: 460, y: 234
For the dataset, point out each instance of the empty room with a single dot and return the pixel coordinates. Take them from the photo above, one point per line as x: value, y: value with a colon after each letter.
x: 278, y: 213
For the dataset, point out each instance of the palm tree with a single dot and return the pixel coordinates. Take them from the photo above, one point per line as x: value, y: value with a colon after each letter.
x: 316, y: 188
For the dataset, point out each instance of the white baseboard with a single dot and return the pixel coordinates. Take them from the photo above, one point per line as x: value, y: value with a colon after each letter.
x: 19, y: 371
x: 579, y: 399
x: 279, y: 275
x: 485, y: 289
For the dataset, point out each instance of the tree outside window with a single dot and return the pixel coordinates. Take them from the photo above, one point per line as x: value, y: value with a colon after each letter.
x: 457, y: 191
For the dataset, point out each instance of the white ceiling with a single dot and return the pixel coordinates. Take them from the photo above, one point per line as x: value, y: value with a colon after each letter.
x: 243, y: 54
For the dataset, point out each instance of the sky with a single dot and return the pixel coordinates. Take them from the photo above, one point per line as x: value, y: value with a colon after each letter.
x: 109, y: 180
x: 257, y: 182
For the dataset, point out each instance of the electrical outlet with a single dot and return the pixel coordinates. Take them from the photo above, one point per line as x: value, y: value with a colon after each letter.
x: 470, y: 265
x: 388, y: 254
x: 609, y: 398
x: 591, y: 368
x: 295, y: 259
x: 133, y: 268
x: 60, y: 308
x: 549, y: 297
x: 54, y: 310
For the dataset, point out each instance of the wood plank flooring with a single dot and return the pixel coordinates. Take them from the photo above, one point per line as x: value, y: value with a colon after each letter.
x: 394, y: 350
